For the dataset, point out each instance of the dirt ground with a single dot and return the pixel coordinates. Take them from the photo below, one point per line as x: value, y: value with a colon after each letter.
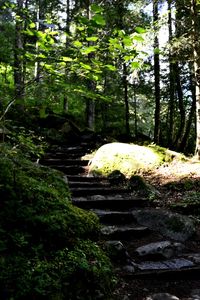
x: 173, y: 182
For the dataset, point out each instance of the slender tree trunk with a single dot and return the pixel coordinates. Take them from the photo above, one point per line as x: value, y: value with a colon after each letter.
x: 196, y: 55
x: 135, y: 111
x: 181, y: 146
x: 156, y: 75
x: 39, y: 26
x: 68, y: 19
x: 18, y: 57
x: 125, y: 85
x: 171, y: 81
x: 90, y: 104
x: 182, y: 124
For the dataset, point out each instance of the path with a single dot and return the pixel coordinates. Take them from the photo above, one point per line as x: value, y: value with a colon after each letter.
x: 144, y: 260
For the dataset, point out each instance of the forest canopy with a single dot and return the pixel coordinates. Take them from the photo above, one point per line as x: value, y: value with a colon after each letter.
x: 128, y: 69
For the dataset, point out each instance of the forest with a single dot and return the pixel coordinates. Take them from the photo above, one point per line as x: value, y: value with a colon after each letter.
x: 93, y: 71
x: 123, y: 68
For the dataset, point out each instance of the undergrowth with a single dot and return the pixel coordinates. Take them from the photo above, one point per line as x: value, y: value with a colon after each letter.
x: 47, y: 246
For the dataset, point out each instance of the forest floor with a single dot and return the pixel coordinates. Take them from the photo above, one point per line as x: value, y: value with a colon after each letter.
x: 174, y: 182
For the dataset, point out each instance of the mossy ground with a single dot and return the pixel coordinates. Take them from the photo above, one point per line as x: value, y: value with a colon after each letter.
x: 47, y: 246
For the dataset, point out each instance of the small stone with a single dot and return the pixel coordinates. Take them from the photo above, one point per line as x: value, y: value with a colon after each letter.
x: 129, y: 269
x: 162, y: 296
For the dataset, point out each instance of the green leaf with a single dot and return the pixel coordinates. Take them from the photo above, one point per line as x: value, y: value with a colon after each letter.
x: 88, y: 50
x: 85, y: 66
x: 111, y: 67
x: 128, y: 57
x: 96, y: 8
x: 77, y: 44
x: 157, y: 51
x: 65, y: 58
x: 98, y: 19
x: 92, y: 39
x: 135, y: 65
x: 32, y: 25
x: 138, y: 38
x: 127, y: 41
x: 140, y: 30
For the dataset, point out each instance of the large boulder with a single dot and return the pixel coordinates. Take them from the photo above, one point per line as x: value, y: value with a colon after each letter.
x: 127, y: 158
x: 171, y: 225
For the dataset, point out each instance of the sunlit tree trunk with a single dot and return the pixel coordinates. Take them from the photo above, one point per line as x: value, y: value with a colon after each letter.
x: 18, y: 56
x: 90, y: 103
x: 68, y: 19
x: 171, y: 80
x: 156, y: 75
x: 196, y: 55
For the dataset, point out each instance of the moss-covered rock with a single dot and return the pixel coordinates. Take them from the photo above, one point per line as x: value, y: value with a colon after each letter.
x: 46, y: 247
x: 128, y: 159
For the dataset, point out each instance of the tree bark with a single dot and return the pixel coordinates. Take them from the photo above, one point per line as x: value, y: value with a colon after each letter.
x: 196, y: 56
x: 90, y: 104
x: 18, y: 57
x: 126, y: 102
x: 171, y: 81
x: 156, y: 75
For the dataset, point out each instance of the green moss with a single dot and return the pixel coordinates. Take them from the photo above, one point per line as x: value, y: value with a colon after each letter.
x: 47, y: 246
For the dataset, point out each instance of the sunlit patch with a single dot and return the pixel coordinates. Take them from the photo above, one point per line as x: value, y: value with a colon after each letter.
x: 128, y: 159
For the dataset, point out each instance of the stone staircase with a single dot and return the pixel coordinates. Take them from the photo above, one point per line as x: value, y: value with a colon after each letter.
x: 138, y: 251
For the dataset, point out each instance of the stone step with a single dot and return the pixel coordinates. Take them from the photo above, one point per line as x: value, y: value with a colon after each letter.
x: 98, y: 191
x: 61, y: 155
x: 185, y: 273
x: 70, y: 170
x: 86, y: 184
x: 114, y: 217
x: 110, y: 203
x: 86, y: 178
x: 123, y: 232
x: 63, y: 162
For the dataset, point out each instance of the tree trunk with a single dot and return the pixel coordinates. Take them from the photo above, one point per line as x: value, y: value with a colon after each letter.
x: 68, y: 19
x: 171, y: 81
x: 181, y: 146
x: 196, y: 55
x: 125, y: 85
x: 39, y: 26
x: 90, y: 104
x: 156, y: 75
x: 18, y: 57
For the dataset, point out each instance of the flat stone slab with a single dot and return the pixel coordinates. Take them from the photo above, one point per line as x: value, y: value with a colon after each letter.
x: 114, y: 217
x: 97, y: 190
x: 63, y: 162
x: 103, y: 202
x: 172, y: 264
x: 162, y: 296
x: 166, y: 249
x: 132, y: 231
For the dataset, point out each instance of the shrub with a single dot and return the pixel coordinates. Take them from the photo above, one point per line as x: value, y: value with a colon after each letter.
x: 46, y: 251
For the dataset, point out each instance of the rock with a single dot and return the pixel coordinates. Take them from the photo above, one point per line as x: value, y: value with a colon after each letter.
x: 162, y: 296
x: 138, y: 184
x: 118, y: 252
x: 126, y: 158
x: 130, y: 269
x: 172, y: 264
x: 171, y: 225
x: 166, y: 249
x: 195, y: 294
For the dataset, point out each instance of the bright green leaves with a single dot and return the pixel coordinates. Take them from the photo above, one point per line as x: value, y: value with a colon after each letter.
x: 140, y: 30
x: 99, y: 20
x: 96, y: 8
x: 92, y: 38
